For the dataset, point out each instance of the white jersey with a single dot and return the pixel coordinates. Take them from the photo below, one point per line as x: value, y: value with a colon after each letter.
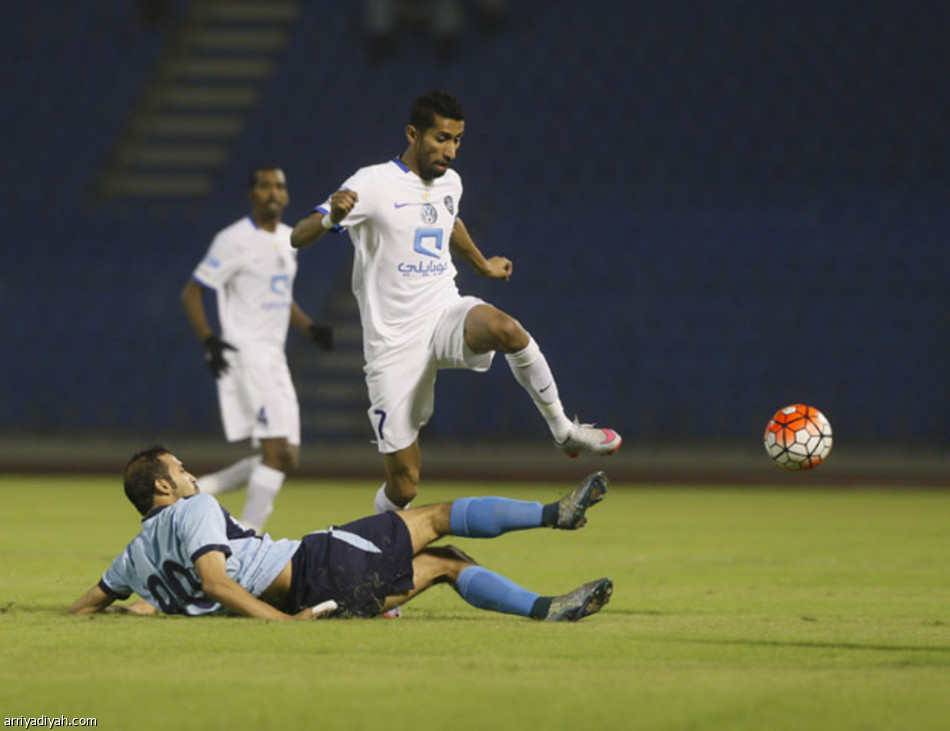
x: 159, y: 564
x: 402, y: 267
x: 252, y: 272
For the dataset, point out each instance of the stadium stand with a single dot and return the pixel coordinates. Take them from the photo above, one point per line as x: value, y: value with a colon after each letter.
x: 712, y: 213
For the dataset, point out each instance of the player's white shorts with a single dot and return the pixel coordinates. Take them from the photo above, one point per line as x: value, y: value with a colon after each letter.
x: 401, y: 382
x: 258, y: 400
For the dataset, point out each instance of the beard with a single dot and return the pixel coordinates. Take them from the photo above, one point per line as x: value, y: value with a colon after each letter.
x: 429, y: 172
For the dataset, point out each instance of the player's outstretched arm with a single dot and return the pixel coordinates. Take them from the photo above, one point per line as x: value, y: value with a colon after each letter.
x: 217, y: 585
x: 310, y: 229
x: 462, y: 244
x: 94, y: 600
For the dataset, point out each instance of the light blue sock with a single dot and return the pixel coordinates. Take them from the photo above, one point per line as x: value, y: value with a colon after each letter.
x: 487, y: 517
x: 487, y: 590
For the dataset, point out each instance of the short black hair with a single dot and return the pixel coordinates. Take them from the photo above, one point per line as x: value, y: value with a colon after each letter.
x: 141, y: 471
x: 432, y: 103
x: 252, y: 179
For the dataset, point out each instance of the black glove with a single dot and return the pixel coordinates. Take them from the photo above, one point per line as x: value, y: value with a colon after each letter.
x: 214, y: 354
x: 322, y: 335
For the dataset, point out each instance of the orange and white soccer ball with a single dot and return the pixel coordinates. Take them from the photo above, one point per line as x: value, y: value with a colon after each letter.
x: 798, y: 437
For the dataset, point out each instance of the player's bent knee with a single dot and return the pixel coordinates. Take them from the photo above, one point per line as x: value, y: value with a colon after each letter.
x: 283, y: 462
x: 509, y: 334
x: 443, y: 564
x: 292, y: 462
x: 280, y: 455
x: 405, y: 490
x: 457, y: 553
x: 404, y: 481
x: 288, y: 464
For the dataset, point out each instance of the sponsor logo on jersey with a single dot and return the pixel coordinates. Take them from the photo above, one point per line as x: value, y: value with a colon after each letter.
x: 422, y: 268
x: 429, y: 214
x: 280, y: 284
x: 428, y: 241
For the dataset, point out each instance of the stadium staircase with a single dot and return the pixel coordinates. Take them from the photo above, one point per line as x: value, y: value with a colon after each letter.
x: 330, y: 385
x: 209, y: 79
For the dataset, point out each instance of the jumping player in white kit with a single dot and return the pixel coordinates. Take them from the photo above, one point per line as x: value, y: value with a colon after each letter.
x: 251, y: 267
x: 403, y: 219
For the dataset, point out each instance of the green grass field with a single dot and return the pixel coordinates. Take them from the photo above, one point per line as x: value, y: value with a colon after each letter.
x: 733, y: 609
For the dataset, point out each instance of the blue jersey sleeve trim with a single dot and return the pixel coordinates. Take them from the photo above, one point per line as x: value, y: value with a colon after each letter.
x: 153, y: 512
x: 112, y: 592
x: 322, y: 209
x: 203, y: 283
x: 233, y: 529
x: 226, y: 550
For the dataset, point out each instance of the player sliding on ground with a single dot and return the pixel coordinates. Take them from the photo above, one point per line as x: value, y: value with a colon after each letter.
x: 192, y: 558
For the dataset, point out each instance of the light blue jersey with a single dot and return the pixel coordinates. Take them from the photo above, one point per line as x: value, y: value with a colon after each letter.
x: 159, y: 564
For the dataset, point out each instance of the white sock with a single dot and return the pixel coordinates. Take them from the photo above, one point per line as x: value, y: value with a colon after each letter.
x: 230, y: 478
x: 382, y: 503
x: 532, y: 371
x: 262, y: 490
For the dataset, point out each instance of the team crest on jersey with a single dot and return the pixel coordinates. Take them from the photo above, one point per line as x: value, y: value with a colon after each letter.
x: 429, y: 214
x: 449, y: 205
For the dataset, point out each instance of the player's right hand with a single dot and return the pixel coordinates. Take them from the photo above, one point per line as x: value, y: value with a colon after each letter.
x: 341, y: 203
x: 214, y: 354
x: 320, y: 611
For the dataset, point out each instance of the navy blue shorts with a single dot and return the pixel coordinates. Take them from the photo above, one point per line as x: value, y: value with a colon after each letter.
x: 358, y: 565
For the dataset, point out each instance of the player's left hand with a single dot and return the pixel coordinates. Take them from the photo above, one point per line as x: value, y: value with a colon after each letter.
x: 498, y: 267
x: 214, y: 354
x: 139, y: 606
x: 321, y: 334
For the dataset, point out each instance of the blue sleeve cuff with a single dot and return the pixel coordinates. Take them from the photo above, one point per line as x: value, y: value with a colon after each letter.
x: 112, y: 592
x: 225, y: 549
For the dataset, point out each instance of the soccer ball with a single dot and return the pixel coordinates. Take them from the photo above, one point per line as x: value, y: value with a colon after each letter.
x: 798, y: 437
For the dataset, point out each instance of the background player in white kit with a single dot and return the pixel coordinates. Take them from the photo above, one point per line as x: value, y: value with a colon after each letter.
x: 251, y: 267
x: 402, y: 217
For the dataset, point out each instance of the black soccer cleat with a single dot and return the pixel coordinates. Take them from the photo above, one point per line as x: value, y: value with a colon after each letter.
x: 572, y: 508
x: 582, y: 602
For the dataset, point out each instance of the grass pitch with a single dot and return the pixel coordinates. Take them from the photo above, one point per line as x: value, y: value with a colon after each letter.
x: 733, y: 609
